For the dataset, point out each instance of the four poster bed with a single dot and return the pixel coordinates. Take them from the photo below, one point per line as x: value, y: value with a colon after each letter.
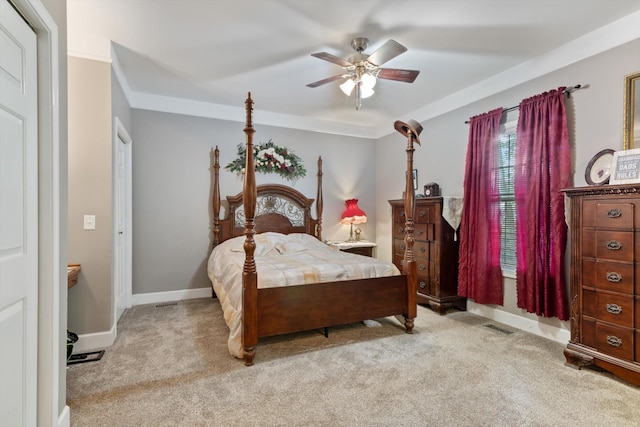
x: 259, y: 293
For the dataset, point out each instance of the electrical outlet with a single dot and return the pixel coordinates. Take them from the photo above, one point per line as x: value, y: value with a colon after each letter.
x: 89, y: 222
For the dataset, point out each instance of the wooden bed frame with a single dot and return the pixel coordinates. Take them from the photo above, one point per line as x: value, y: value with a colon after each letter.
x: 274, y: 311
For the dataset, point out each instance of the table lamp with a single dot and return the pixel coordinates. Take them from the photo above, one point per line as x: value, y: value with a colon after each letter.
x: 353, y: 215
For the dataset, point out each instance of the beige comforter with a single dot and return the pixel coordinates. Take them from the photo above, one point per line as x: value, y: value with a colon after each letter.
x: 282, y: 260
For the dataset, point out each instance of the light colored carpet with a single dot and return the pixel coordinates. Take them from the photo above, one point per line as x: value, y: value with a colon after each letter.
x: 170, y: 366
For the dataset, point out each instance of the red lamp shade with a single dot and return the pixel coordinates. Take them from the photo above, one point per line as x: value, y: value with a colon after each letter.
x: 353, y: 214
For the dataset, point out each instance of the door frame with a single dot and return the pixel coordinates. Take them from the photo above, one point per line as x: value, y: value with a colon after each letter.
x: 120, y: 133
x: 52, y: 241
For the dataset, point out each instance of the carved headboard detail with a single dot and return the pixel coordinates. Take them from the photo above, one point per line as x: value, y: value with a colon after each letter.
x: 278, y: 208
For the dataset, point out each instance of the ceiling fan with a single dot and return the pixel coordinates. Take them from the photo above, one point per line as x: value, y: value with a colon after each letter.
x: 361, y: 71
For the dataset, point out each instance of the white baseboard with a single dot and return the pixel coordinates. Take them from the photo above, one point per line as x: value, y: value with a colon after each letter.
x: 158, y: 297
x: 64, y: 420
x: 553, y: 333
x: 95, y: 341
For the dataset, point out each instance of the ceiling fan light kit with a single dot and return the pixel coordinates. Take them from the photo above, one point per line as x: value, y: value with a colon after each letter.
x: 362, y: 71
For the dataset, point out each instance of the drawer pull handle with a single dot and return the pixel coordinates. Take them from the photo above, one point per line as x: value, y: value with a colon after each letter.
x: 614, y: 213
x: 422, y: 285
x: 614, y: 245
x: 422, y: 267
x: 614, y: 341
x: 422, y: 213
x: 422, y: 249
x: 420, y: 232
x: 400, y: 230
x: 614, y: 308
x: 614, y: 277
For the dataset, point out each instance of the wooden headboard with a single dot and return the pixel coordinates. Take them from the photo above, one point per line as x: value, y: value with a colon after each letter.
x: 278, y: 208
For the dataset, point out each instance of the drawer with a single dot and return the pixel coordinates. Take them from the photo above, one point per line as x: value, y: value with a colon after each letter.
x: 615, y: 215
x: 398, y: 231
x: 616, y: 309
x: 427, y: 283
x: 426, y: 214
x: 425, y: 232
x: 608, y: 276
x: 614, y: 340
x: 425, y: 267
x: 421, y: 250
x: 612, y: 308
x: 398, y: 215
x: 423, y: 285
x: 611, y: 245
x: 398, y: 247
x: 619, y: 214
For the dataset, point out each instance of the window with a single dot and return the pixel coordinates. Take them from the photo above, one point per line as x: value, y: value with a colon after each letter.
x: 506, y: 198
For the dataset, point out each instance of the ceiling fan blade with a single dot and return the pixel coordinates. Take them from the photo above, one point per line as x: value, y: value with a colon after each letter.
x: 332, y: 58
x: 407, y: 76
x: 327, y: 80
x: 387, y: 51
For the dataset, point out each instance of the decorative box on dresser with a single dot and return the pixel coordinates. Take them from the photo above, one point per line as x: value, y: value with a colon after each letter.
x: 605, y: 279
x: 436, y: 253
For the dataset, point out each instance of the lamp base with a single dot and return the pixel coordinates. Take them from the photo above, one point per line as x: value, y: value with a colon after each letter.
x: 351, y: 239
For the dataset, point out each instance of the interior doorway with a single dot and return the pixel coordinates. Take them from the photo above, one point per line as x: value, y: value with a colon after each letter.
x: 122, y: 260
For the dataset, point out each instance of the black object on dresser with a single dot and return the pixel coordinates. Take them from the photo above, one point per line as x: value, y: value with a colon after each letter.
x: 605, y: 279
x: 436, y: 253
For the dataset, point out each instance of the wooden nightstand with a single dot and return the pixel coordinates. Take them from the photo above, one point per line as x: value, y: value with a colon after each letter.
x: 360, y: 247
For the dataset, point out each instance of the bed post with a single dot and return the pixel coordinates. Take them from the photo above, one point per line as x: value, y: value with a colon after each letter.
x: 249, y: 272
x: 216, y: 197
x: 412, y: 131
x: 319, y: 201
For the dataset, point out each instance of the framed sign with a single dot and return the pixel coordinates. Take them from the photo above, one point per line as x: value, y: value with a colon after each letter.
x: 625, y: 168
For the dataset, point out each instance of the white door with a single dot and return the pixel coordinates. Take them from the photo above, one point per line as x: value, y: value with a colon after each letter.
x: 18, y: 220
x: 122, y: 218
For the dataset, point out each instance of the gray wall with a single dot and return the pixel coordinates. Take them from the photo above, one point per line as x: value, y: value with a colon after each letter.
x: 90, y: 188
x: 595, y: 122
x: 172, y: 186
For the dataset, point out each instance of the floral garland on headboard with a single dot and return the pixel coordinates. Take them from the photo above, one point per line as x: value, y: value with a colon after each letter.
x: 270, y: 158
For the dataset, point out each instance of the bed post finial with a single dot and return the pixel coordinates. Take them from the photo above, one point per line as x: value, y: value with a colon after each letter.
x: 249, y: 272
x: 216, y: 197
x: 319, y: 201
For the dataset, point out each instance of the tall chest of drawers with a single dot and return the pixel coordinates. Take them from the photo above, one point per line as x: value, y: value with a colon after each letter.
x: 436, y: 253
x: 605, y: 279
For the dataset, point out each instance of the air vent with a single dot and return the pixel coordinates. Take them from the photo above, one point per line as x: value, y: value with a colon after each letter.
x: 498, y: 328
x: 166, y: 304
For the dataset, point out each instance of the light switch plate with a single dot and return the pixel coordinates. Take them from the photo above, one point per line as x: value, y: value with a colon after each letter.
x: 89, y: 222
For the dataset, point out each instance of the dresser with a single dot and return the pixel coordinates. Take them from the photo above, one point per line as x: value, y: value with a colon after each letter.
x: 436, y: 253
x: 605, y: 289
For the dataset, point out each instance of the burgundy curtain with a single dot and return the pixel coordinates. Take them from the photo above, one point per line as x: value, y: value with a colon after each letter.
x: 479, y: 272
x: 542, y: 170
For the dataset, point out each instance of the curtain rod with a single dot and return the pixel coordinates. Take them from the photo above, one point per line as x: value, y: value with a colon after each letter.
x: 568, y: 90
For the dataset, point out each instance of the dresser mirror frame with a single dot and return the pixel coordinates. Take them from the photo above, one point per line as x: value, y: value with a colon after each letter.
x: 632, y: 111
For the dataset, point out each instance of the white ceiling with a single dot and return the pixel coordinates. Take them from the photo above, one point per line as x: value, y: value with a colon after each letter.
x: 203, y: 56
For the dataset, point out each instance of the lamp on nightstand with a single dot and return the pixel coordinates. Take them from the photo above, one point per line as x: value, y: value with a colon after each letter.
x: 353, y: 215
